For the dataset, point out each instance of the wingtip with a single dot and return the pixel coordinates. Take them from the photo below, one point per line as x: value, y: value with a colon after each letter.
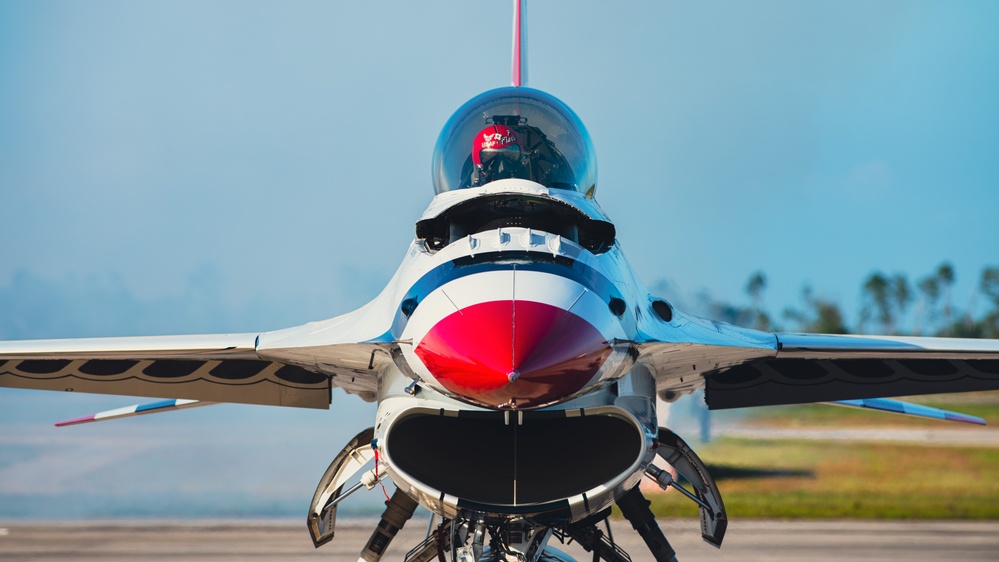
x: 898, y: 407
x: 964, y: 418
x: 137, y: 410
x: 75, y: 421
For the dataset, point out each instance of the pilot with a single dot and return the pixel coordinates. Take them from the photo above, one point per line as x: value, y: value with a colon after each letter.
x: 496, y: 154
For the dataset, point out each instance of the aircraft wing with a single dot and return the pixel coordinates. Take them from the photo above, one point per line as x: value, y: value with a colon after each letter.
x: 740, y: 367
x: 211, y: 368
x: 819, y: 368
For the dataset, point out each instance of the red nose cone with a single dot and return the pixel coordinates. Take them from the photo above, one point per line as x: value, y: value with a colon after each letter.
x: 513, y: 353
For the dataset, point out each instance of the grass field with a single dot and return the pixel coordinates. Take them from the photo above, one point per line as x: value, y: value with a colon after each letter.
x: 814, y: 479
x: 824, y: 479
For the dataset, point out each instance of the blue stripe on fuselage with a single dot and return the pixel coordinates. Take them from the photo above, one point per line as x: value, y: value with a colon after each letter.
x: 576, y: 270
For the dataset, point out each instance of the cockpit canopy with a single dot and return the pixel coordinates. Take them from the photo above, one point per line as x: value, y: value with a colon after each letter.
x: 514, y: 133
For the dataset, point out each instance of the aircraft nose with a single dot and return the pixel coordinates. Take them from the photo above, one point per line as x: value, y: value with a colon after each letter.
x: 513, y: 353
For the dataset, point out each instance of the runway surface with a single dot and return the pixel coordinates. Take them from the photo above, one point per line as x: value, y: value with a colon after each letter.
x: 815, y: 541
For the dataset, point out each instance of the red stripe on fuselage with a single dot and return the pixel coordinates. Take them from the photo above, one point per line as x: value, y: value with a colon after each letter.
x: 519, y: 354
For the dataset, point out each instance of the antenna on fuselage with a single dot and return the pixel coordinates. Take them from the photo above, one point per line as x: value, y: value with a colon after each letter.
x: 519, y: 43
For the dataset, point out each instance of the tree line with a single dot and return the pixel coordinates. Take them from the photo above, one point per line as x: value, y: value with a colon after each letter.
x: 890, y: 304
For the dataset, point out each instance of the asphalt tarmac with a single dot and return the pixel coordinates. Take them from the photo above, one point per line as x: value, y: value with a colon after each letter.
x: 814, y: 541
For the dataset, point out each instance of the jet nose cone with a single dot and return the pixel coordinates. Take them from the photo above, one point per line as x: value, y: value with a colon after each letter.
x: 518, y: 354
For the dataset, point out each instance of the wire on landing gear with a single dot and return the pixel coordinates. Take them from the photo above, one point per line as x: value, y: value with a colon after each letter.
x: 433, y: 547
x: 374, y: 447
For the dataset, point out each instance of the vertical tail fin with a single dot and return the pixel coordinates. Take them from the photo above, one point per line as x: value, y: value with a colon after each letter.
x: 519, y: 43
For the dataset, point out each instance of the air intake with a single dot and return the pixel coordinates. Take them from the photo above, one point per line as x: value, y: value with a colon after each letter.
x: 480, y: 458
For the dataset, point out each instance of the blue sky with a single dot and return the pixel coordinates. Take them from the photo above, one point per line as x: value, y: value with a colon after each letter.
x: 183, y: 167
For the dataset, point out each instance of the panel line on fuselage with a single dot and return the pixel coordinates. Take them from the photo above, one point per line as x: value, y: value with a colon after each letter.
x: 513, y: 325
x: 450, y: 300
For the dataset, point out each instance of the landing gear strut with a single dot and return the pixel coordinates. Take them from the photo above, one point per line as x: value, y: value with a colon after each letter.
x: 635, y: 509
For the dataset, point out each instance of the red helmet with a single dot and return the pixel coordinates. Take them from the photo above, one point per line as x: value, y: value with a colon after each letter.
x: 495, y: 140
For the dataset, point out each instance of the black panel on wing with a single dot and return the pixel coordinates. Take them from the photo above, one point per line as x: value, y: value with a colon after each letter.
x: 43, y: 366
x: 247, y: 381
x: 107, y: 367
x: 799, y: 381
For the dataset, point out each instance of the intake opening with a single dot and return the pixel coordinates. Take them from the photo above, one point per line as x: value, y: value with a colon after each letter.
x: 479, y: 458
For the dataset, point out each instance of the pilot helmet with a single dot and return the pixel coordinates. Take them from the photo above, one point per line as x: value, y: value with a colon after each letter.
x: 496, y: 154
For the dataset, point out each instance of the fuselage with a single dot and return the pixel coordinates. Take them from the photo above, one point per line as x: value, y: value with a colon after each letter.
x: 514, y: 307
x: 510, y: 326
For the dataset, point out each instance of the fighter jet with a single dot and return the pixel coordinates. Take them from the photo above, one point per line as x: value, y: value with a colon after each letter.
x: 515, y: 358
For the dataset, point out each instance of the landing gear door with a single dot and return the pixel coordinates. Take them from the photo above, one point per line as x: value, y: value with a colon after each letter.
x: 322, y: 512
x: 680, y: 456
